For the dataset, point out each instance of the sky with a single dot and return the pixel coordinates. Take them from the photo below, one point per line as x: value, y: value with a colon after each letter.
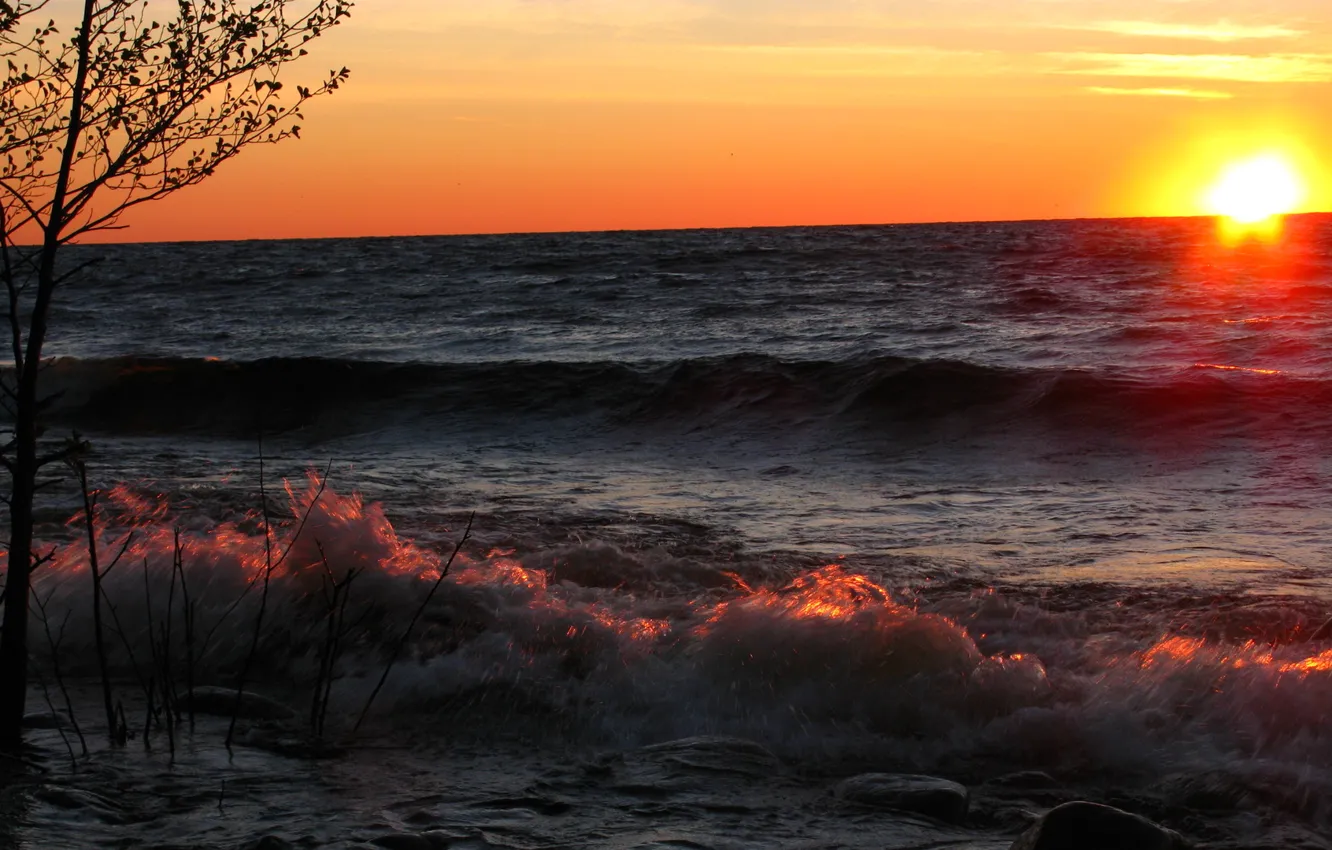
x: 486, y: 116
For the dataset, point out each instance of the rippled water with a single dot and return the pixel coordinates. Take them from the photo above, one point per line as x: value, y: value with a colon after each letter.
x: 962, y: 499
x: 1108, y: 399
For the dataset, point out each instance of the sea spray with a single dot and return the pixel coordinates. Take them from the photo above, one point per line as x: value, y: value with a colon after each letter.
x: 827, y: 658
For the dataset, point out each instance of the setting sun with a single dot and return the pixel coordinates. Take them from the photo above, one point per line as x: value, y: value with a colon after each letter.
x: 1256, y: 189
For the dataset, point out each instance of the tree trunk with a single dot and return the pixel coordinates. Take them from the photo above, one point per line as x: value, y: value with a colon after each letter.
x: 14, y: 632
x: 14, y: 636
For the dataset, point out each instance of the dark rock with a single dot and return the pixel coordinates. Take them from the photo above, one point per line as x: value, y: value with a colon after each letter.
x: 927, y: 795
x: 270, y: 842
x: 1091, y: 826
x: 222, y: 701
x: 404, y: 841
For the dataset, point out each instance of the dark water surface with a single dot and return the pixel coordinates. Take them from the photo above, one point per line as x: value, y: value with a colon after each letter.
x: 1105, y: 400
x: 1071, y: 478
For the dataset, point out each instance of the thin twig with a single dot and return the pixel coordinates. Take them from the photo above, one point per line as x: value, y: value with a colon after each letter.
x: 124, y: 640
x: 407, y: 633
x: 178, y: 564
x: 122, y: 725
x: 255, y: 579
x: 332, y: 646
x: 99, y: 640
x: 153, y: 664
x: 263, y: 601
x: 148, y: 714
x: 170, y: 704
x: 54, y: 643
x: 60, y: 727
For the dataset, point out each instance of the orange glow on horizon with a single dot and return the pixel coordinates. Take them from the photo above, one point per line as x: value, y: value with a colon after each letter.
x: 518, y: 116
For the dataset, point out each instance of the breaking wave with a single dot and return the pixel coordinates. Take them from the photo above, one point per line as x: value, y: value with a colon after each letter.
x: 594, y: 642
x: 166, y: 395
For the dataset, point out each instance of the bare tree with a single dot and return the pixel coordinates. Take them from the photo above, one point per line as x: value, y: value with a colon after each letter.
x: 141, y: 98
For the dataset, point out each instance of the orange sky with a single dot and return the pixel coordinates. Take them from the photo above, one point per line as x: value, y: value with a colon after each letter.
x: 466, y: 116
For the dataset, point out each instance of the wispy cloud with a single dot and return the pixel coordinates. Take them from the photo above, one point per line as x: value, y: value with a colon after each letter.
x: 1239, y: 67
x: 530, y: 15
x: 859, y: 59
x: 842, y: 50
x: 1223, y: 31
x: 1197, y: 94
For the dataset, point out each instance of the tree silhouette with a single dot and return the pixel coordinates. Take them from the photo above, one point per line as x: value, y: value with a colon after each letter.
x: 139, y: 100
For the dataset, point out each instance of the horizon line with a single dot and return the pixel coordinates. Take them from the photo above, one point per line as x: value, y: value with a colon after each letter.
x: 576, y: 231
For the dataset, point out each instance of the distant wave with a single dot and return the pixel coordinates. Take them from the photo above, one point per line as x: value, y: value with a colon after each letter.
x: 165, y: 395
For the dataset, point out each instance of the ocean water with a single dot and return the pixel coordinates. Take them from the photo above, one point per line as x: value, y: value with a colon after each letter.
x: 976, y: 500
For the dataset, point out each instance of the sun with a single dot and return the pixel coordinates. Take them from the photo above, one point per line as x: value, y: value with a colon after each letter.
x: 1254, y: 190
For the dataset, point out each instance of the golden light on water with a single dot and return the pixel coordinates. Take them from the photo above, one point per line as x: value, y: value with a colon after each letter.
x: 1255, y: 190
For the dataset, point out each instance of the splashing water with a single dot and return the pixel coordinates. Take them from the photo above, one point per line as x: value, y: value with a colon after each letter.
x: 824, y: 661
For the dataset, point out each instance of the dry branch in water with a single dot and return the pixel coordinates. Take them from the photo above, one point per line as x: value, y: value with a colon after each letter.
x: 270, y: 565
x: 407, y: 632
x: 331, y: 648
x: 78, y: 448
x: 53, y: 643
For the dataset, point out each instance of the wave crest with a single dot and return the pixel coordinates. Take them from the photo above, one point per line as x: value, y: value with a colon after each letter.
x: 168, y: 395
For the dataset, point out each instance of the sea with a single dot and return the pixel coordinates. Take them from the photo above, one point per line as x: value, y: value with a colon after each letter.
x: 663, y: 536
